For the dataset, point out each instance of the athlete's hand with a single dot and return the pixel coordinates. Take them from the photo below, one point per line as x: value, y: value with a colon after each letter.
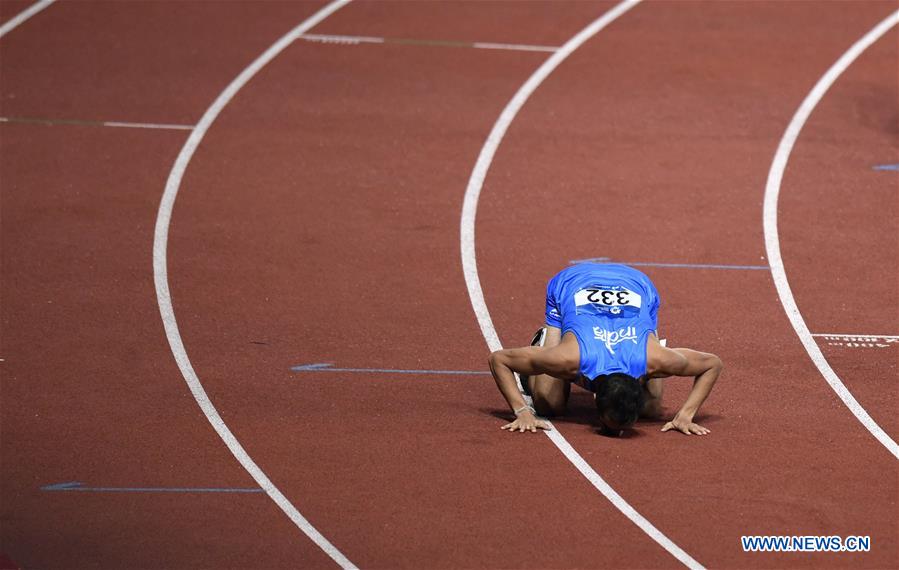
x: 685, y: 426
x: 526, y: 421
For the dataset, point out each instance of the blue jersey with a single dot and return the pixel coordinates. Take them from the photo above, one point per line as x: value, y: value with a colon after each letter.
x: 611, y: 309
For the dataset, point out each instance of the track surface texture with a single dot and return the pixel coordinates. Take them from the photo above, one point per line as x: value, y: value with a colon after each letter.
x: 318, y: 223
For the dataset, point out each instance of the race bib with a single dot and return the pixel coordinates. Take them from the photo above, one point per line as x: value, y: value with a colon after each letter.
x: 613, y: 300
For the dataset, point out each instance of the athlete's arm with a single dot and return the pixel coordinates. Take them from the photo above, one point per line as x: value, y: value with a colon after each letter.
x: 531, y: 360
x: 704, y: 367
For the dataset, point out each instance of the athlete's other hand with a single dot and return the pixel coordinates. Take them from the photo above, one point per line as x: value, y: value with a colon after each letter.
x: 527, y: 421
x: 685, y: 426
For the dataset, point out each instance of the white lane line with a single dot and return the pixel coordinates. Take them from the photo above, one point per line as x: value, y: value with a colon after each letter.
x: 356, y: 40
x: 77, y: 122
x: 335, y: 39
x: 16, y: 20
x: 473, y: 282
x: 514, y: 47
x: 163, y: 296
x: 883, y: 336
x: 772, y: 240
x: 147, y: 125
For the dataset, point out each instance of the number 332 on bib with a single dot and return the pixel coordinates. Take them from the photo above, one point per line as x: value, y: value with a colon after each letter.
x: 608, y: 297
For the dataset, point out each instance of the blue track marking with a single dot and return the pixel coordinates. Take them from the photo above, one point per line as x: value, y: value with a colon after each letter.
x: 326, y: 367
x: 78, y: 486
x: 887, y: 167
x: 681, y: 265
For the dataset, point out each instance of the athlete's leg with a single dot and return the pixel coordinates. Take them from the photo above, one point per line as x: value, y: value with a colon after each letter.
x: 652, y: 398
x: 550, y: 394
x: 653, y: 388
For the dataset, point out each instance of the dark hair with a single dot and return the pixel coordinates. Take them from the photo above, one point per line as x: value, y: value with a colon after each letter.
x: 619, y: 399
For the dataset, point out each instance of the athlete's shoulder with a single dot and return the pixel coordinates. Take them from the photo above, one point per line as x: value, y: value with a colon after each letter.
x: 661, y: 361
x: 562, y: 359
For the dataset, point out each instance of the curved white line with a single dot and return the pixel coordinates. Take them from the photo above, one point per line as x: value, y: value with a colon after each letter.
x: 772, y: 241
x: 163, y: 297
x: 16, y: 20
x: 473, y: 282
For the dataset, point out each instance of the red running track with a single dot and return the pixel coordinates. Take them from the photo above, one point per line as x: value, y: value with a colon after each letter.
x: 318, y: 222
